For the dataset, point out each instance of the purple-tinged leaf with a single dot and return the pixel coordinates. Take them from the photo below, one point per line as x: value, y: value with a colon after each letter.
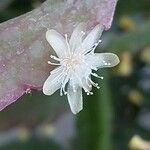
x: 24, y: 51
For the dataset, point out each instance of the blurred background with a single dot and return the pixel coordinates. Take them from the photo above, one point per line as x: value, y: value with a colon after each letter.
x: 117, y: 117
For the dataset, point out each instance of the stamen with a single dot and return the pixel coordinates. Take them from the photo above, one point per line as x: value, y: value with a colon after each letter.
x: 88, y: 83
x: 93, y: 68
x: 55, y: 64
x: 55, y: 58
x: 94, y: 47
x: 89, y: 93
x: 91, y: 51
x: 96, y: 44
x: 61, y: 91
x: 97, y: 76
x: 99, y: 41
x: 85, y: 89
x: 64, y: 82
x: 93, y: 83
x: 66, y: 37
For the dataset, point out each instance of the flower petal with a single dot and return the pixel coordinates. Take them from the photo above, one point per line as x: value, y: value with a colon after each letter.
x: 101, y: 60
x: 53, y: 82
x: 77, y: 36
x: 58, y: 42
x: 75, y: 99
x: 91, y: 39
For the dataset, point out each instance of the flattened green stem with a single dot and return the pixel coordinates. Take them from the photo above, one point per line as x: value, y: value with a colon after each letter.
x: 95, y: 121
x: 105, y: 114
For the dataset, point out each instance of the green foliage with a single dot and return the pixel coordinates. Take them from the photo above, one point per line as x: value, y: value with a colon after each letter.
x: 33, y: 143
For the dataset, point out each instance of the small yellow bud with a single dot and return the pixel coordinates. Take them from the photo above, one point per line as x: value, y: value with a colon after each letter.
x: 145, y: 55
x: 47, y: 130
x: 127, y: 23
x: 137, y: 143
x: 23, y: 134
x: 136, y: 97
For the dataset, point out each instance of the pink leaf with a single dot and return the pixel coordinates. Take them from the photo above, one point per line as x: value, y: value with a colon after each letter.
x: 24, y: 51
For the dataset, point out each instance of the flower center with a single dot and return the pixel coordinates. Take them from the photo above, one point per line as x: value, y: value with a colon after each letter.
x: 72, y: 61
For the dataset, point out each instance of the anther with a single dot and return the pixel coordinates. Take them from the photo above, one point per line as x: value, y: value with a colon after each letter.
x: 100, y: 41
x: 102, y: 78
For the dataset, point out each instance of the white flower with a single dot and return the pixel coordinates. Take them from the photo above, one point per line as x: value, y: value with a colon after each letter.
x: 76, y: 63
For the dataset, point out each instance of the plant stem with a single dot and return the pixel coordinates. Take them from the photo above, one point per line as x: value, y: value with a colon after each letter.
x: 94, y: 122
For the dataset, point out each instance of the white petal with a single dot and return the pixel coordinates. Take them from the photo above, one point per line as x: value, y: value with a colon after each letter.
x: 75, y: 99
x: 58, y: 42
x: 101, y: 60
x: 53, y: 82
x: 91, y: 39
x: 77, y: 36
